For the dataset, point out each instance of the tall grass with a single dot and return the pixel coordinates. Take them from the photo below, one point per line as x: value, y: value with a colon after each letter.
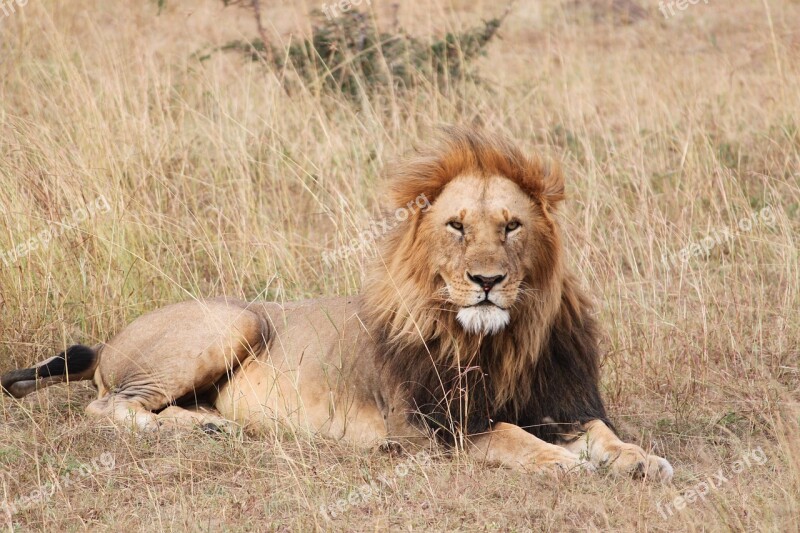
x: 221, y: 182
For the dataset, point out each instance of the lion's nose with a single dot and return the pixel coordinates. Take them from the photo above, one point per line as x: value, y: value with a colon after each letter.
x: 486, y: 282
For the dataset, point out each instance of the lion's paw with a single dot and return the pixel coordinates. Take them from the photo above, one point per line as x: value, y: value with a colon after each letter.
x: 557, y: 461
x: 631, y: 460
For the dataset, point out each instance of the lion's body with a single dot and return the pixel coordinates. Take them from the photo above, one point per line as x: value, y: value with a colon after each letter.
x: 318, y: 373
x: 308, y: 364
x: 469, y: 331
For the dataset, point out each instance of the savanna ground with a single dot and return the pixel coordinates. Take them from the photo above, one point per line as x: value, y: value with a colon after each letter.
x: 219, y: 181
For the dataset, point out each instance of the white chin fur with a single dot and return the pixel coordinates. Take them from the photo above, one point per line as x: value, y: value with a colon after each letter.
x: 486, y: 319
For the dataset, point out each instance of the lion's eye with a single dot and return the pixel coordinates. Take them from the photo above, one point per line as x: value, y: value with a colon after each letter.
x: 456, y: 225
x: 513, y: 225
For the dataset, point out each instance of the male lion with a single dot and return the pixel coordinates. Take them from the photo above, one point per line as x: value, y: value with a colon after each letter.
x: 469, y: 332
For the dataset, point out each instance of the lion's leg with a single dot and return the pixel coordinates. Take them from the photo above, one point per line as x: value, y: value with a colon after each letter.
x: 601, y: 445
x: 195, y: 416
x: 131, y: 413
x: 172, y: 355
x: 124, y: 411
x: 511, y: 446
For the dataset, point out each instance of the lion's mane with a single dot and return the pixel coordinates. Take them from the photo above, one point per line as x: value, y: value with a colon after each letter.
x: 540, y: 372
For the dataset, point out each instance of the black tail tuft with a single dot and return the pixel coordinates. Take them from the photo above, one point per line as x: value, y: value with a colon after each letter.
x: 76, y: 362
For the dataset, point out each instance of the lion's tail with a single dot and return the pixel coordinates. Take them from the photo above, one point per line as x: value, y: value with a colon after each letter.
x: 76, y: 363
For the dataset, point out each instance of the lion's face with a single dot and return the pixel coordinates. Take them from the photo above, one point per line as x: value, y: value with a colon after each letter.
x: 487, y: 239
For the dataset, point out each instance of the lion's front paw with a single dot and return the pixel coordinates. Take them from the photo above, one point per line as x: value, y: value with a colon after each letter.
x: 557, y: 460
x: 631, y: 460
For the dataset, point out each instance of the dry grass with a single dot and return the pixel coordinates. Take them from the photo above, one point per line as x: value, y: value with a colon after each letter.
x: 219, y: 182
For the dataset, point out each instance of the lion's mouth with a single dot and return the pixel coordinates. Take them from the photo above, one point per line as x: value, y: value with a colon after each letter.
x: 486, y: 302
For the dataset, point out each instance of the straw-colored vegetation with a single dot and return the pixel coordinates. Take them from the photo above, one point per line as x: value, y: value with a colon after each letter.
x: 222, y: 179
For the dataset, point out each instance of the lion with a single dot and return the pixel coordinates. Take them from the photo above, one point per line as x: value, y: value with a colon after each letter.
x: 470, y: 335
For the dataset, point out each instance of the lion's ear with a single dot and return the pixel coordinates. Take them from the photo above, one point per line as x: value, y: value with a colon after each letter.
x: 553, y: 191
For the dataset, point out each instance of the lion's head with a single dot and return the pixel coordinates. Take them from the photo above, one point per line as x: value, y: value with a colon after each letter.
x: 483, y: 251
x: 488, y: 242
